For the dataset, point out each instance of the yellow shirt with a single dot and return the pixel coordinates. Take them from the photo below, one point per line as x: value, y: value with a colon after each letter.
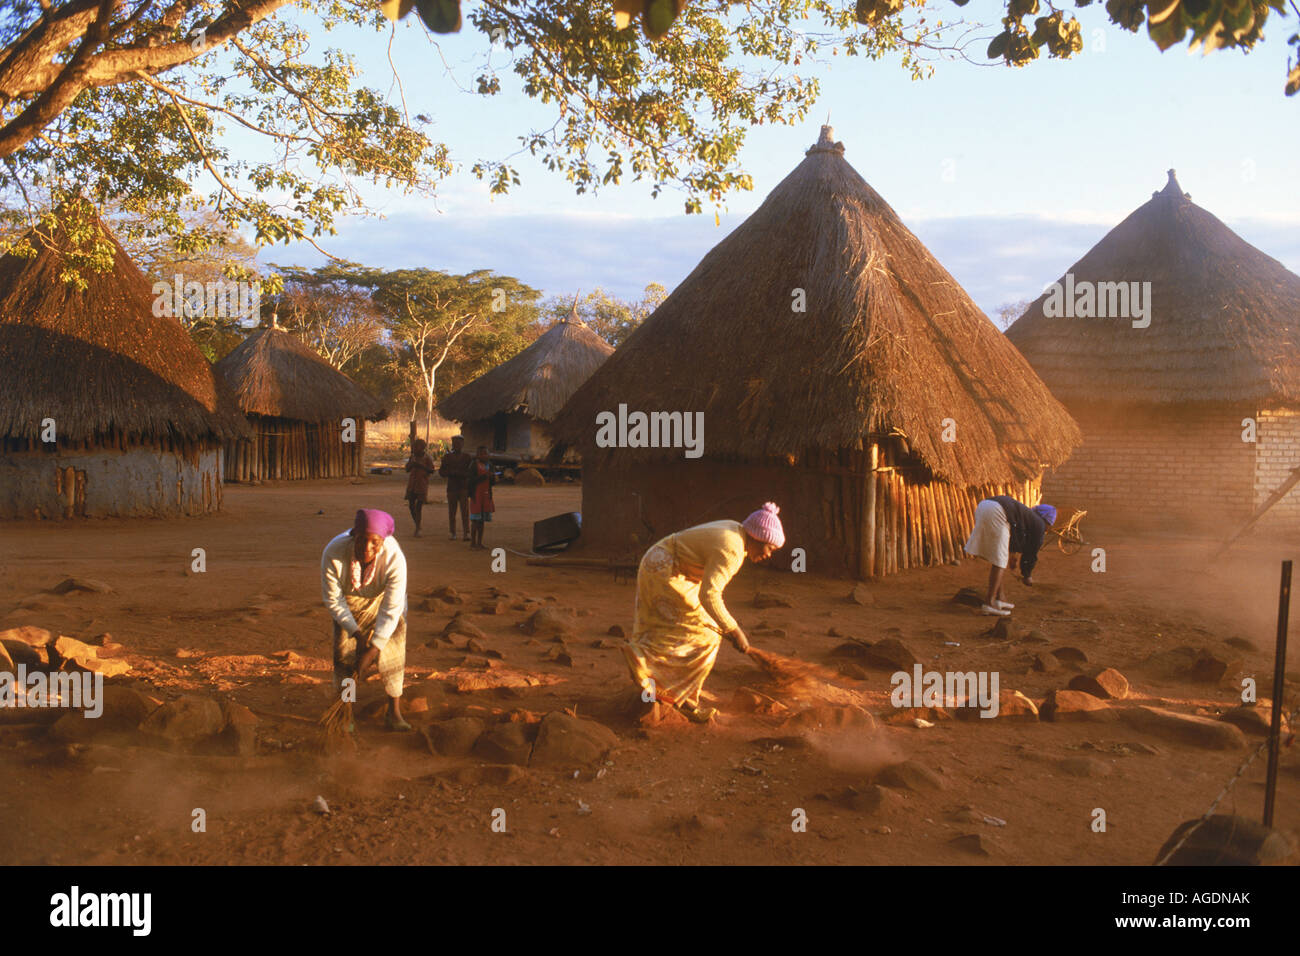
x: 710, y: 554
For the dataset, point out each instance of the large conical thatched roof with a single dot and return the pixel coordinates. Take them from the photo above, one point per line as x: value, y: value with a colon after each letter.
x: 888, y: 342
x: 1224, y: 326
x: 98, y: 359
x: 537, y: 381
x: 275, y: 373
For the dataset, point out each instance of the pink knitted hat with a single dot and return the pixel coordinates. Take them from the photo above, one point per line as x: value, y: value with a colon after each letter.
x: 764, y: 525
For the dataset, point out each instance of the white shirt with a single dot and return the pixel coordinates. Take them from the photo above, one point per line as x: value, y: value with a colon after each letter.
x: 389, y: 578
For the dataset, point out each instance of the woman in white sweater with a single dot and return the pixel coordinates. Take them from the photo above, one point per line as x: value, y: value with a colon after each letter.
x: 363, y: 582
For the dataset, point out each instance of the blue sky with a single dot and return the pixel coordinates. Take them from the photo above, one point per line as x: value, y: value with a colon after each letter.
x: 1008, y: 176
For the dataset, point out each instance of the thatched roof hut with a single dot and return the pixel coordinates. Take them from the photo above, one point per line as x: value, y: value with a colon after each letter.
x: 508, y: 408
x: 308, y: 417
x: 1200, y: 373
x: 840, y: 370
x: 105, y: 407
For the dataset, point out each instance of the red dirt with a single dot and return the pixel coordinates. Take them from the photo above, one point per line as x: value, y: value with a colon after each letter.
x: 671, y: 794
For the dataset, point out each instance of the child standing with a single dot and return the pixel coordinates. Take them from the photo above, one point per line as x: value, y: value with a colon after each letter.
x: 481, y: 505
x: 420, y: 466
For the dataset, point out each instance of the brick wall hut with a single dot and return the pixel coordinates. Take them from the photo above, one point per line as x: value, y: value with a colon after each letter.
x: 298, y: 405
x: 138, y: 416
x: 509, y: 409
x: 830, y: 355
x: 1162, y: 406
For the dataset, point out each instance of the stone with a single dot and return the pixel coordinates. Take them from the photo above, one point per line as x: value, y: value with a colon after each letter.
x: 976, y: 844
x: 448, y: 594
x: 831, y: 717
x: 558, y: 655
x: 184, y: 722
x: 910, y: 775
x: 1254, y: 718
x: 112, y: 667
x: 454, y: 737
x: 616, y: 630
x: 1074, y: 705
x: 852, y: 670
x: 505, y: 743
x: 26, y: 634
x: 969, y: 597
x: 870, y: 799
x: 1046, y: 663
x: 861, y: 595
x: 1084, y: 767
x: 549, y: 622
x: 495, y: 607
x: 69, y: 649
x: 568, y: 742
x: 463, y: 626
x: 1035, y: 637
x: 856, y: 650
x: 1225, y: 840
x: 766, y: 599
x: 891, y: 654
x: 239, y: 735
x: 604, y: 644
x: 124, y: 710
x: 746, y: 700
x: 81, y: 584
x: 530, y: 477
x: 1005, y: 629
x: 1012, y: 705
x: 1105, y: 683
x: 1070, y: 655
x: 905, y: 716
x: 1210, y: 668
x: 417, y: 705
x: 1184, y: 728
x: 13, y: 653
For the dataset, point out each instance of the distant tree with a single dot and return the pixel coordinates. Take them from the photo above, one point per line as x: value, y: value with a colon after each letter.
x: 1010, y: 311
x: 428, y: 312
x: 333, y: 308
x: 610, y: 317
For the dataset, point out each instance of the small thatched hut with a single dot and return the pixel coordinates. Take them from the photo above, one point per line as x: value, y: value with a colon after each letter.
x: 509, y: 408
x: 105, y: 408
x: 308, y: 418
x: 1171, y: 391
x: 838, y: 370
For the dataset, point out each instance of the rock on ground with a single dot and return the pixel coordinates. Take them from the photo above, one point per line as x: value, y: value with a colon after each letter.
x: 1105, y: 683
x: 910, y: 775
x: 550, y: 622
x: 182, y: 723
x: 567, y: 741
x: 1073, y: 705
x: 506, y: 743
x: 454, y: 737
x: 1184, y: 728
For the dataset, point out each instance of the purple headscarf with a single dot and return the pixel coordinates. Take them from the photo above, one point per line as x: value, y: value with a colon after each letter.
x: 374, y: 521
x: 1046, y: 512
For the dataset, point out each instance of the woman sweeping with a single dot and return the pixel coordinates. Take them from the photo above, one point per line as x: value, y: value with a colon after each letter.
x: 680, y: 616
x: 1004, y: 530
x: 363, y: 581
x: 420, y: 466
x: 481, y: 504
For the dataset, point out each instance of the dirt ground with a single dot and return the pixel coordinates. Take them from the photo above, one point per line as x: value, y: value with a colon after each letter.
x: 725, y: 793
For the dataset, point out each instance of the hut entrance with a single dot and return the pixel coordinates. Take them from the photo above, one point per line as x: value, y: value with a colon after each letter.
x: 500, y: 432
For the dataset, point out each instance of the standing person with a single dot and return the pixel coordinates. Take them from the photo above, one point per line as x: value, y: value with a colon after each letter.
x: 455, y: 468
x: 1007, y: 529
x: 481, y: 504
x: 680, y: 616
x: 420, y: 466
x: 363, y: 582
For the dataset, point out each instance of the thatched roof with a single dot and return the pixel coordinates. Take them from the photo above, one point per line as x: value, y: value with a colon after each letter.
x: 537, y: 381
x: 99, y: 360
x: 275, y: 373
x: 889, y: 342
x: 1224, y: 326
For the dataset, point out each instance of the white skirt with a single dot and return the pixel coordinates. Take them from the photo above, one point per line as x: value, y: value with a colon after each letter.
x: 991, y: 537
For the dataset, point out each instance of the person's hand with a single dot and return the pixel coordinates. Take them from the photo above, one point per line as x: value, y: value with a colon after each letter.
x: 738, y: 640
x: 366, y: 661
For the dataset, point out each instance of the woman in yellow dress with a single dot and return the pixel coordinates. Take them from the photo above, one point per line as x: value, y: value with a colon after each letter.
x: 680, y: 615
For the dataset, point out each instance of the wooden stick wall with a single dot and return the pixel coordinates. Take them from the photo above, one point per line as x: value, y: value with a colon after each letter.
x: 286, y: 450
